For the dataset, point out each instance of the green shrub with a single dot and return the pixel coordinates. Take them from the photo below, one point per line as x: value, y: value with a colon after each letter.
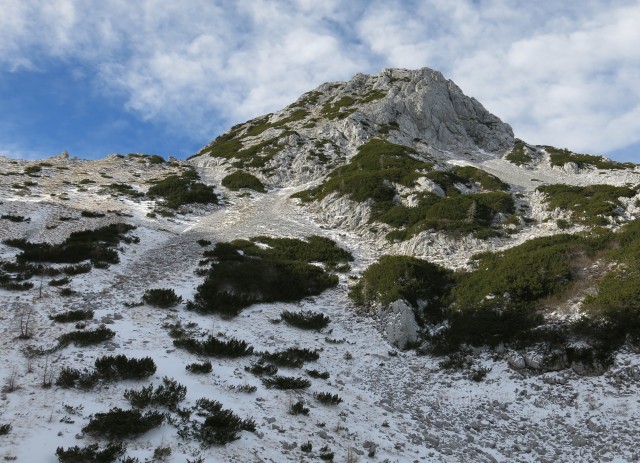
x: 91, y: 214
x: 559, y: 157
x: 120, y: 367
x: 286, y: 382
x: 214, y: 347
x: 91, y: 453
x: 200, y: 368
x: 60, y: 282
x: 163, y: 298
x: 15, y: 218
x: 518, y: 154
x: 298, y: 408
x: 327, y: 398
x: 404, y: 277
x: 292, y: 357
x: 124, y: 189
x: 122, y: 424
x: 79, y: 269
x: 177, y: 191
x: 86, y: 338
x: 203, y: 242
x: 169, y: 394
x: 220, y: 426
x: 318, y: 374
x: 590, y: 204
x: 5, y: 429
x: 96, y: 245
x: 257, y: 275
x: 73, y: 316
x: 239, y: 179
x: 307, y: 319
x: 261, y: 368
x: 306, y: 447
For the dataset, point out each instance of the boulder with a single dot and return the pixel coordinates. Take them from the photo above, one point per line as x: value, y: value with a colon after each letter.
x: 400, y: 324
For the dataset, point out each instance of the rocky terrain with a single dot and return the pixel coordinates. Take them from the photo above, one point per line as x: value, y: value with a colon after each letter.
x: 401, y: 163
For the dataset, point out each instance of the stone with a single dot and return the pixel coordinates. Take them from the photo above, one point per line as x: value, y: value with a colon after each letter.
x: 400, y: 324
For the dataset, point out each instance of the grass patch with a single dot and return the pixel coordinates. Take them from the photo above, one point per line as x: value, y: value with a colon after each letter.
x: 518, y: 155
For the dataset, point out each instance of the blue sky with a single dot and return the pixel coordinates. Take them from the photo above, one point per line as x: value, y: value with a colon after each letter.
x: 165, y: 77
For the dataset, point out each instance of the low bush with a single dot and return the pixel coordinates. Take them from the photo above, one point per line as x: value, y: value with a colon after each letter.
x: 5, y: 429
x: 119, y: 367
x: 177, y: 191
x: 260, y: 368
x: 286, y: 382
x: 327, y: 398
x: 163, y: 298
x: 200, y: 368
x: 86, y: 338
x: 318, y: 374
x: 15, y: 218
x: 203, y: 242
x: 168, y: 395
x: 122, y: 424
x: 91, y: 214
x: 214, y: 347
x: 91, y: 453
x: 298, y: 408
x: 73, y: 316
x: 60, y: 282
x: 559, y: 157
x: 79, y: 269
x: 518, y: 155
x: 306, y: 447
x: 220, y: 426
x: 307, y: 320
x: 239, y: 179
x: 293, y: 357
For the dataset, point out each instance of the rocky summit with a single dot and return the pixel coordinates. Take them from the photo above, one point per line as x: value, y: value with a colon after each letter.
x: 380, y: 271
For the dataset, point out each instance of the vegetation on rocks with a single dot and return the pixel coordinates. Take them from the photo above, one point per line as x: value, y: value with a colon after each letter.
x: 179, y: 190
x: 518, y: 155
x: 161, y: 297
x: 559, y: 157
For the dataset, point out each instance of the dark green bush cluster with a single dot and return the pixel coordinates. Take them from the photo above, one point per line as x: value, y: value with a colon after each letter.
x: 73, y: 316
x: 281, y: 272
x: 119, y: 367
x: 518, y: 155
x: 327, y: 398
x: 122, y: 424
x: 124, y: 189
x: 168, y: 395
x: 108, y: 368
x: 91, y: 453
x: 177, y: 191
x: 214, y: 347
x: 78, y: 269
x: 404, y: 277
x: 203, y: 242
x: 220, y: 425
x: 96, y: 245
x: 293, y: 357
x: 559, y: 157
x: 239, y: 179
x: 92, y: 214
x: 590, y: 204
x: 15, y: 218
x: 163, y: 298
x: 379, y: 164
x: 318, y: 374
x: 286, y: 382
x: 200, y: 368
x: 307, y: 320
x: 5, y: 429
x: 338, y: 109
x: 261, y: 368
x: 60, y: 282
x: 298, y: 408
x: 86, y: 338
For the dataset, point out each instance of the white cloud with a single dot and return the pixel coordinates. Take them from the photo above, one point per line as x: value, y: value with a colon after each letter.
x: 560, y: 73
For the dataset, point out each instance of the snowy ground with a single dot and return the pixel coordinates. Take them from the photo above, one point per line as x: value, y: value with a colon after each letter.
x: 406, y: 405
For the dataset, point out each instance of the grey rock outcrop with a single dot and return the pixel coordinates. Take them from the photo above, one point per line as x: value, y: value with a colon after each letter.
x: 400, y: 324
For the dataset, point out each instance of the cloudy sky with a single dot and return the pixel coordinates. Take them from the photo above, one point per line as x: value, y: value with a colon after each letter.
x: 165, y: 76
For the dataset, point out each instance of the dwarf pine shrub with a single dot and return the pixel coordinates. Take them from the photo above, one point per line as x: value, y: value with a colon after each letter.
x: 73, y: 316
x: 91, y: 453
x: 293, y: 357
x: 168, y: 395
x: 307, y: 320
x: 122, y: 424
x: 119, y: 367
x: 86, y: 338
x: 327, y: 398
x: 163, y: 298
x: 213, y: 347
x: 200, y: 368
x: 286, y: 382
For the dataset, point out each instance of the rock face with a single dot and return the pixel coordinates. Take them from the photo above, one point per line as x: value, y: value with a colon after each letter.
x: 400, y: 324
x: 325, y: 127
